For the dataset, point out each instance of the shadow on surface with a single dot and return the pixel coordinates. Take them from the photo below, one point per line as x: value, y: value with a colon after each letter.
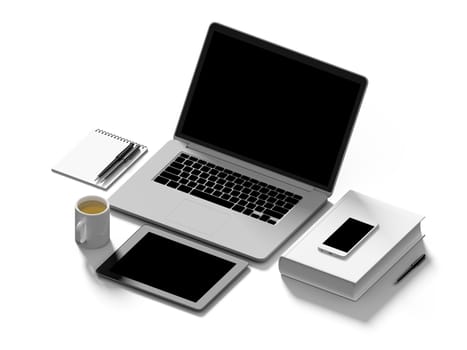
x: 171, y: 304
x: 93, y: 258
x: 372, y: 302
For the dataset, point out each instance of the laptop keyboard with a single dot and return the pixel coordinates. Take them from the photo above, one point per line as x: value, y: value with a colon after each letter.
x: 227, y: 188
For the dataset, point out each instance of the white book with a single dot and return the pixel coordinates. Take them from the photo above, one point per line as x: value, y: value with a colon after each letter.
x: 93, y: 154
x: 399, y: 230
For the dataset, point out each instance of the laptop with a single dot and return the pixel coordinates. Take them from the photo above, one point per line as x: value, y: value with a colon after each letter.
x: 257, y: 148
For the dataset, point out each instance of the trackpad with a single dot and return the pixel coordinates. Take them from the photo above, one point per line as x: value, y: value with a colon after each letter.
x: 198, y: 217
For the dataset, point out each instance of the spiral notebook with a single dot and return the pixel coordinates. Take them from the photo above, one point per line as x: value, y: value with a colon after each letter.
x: 93, y: 154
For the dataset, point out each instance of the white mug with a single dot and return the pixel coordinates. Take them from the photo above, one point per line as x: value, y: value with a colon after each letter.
x: 92, y: 229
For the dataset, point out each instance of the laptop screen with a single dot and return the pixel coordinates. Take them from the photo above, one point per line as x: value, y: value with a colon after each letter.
x: 271, y: 107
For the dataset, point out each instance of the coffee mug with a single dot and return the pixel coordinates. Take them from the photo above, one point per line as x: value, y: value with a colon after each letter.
x: 92, y: 222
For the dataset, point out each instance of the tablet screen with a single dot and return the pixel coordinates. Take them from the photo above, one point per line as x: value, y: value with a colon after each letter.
x: 172, y: 267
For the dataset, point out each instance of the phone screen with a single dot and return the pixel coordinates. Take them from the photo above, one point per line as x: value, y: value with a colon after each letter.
x: 348, y: 235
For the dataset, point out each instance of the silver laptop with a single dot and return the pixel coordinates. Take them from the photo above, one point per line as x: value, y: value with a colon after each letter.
x: 257, y: 148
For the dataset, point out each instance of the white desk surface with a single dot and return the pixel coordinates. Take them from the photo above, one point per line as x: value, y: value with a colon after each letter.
x: 69, y: 67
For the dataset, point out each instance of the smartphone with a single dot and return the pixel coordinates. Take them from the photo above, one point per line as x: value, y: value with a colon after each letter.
x: 343, y: 241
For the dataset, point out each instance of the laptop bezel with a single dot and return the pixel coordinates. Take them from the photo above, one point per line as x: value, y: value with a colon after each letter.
x: 362, y: 81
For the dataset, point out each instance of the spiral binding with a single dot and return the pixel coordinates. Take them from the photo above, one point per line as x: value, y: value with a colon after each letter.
x: 103, y: 132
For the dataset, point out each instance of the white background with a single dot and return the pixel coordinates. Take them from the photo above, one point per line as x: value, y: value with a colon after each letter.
x: 68, y: 67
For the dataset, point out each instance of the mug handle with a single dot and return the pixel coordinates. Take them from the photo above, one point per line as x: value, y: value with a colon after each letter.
x: 82, y: 232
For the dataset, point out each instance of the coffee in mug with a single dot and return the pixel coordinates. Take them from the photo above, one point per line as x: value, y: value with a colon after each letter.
x: 92, y: 207
x: 92, y: 222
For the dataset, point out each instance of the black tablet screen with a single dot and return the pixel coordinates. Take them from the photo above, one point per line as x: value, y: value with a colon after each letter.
x: 172, y: 267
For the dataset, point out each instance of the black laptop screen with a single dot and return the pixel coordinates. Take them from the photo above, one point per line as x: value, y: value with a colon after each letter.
x: 271, y: 107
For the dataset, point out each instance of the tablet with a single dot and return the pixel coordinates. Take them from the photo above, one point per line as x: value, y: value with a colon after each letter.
x: 171, y: 267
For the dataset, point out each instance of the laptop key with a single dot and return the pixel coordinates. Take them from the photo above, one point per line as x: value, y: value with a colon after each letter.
x: 200, y: 187
x: 210, y: 198
x: 173, y: 170
x: 247, y: 211
x: 271, y: 199
x: 265, y: 217
x: 280, y: 210
x: 239, y: 180
x: 291, y: 200
x: 184, y: 188
x: 259, y: 208
x: 274, y: 214
x: 251, y: 199
x: 237, y: 208
x: 280, y: 196
x: 271, y: 221
x: 177, y: 165
x: 172, y: 184
x: 161, y: 180
x: 254, y: 193
x: 169, y: 176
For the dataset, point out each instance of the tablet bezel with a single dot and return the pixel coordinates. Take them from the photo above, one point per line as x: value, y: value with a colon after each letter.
x: 104, y: 269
